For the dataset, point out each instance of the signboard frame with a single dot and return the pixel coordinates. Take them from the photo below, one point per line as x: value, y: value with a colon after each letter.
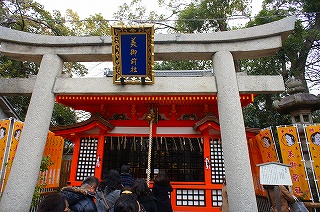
x: 133, y: 54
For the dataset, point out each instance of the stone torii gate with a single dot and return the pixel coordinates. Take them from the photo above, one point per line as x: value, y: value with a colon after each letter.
x: 222, y: 47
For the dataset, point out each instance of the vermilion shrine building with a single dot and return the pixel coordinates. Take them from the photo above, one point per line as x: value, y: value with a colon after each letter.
x: 198, y: 116
x: 187, y: 132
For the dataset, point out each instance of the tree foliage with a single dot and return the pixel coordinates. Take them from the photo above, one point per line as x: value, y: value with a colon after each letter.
x: 183, y: 65
x: 62, y: 115
x: 300, y: 51
x: 298, y: 58
x: 210, y: 15
x: 44, y: 166
x: 30, y: 16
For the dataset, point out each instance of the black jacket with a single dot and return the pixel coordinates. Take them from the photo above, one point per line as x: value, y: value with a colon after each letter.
x: 149, y: 203
x: 160, y: 192
x: 79, y: 200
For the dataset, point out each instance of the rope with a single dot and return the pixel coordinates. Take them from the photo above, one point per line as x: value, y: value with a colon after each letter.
x: 181, y: 144
x: 165, y: 142
x: 141, y: 144
x: 149, y: 155
x: 157, y: 143
x: 134, y: 141
x: 199, y: 143
x: 174, y: 143
x: 191, y: 146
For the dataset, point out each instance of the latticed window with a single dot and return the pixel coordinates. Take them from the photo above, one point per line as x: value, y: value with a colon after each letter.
x: 216, y: 197
x: 87, y: 158
x: 217, y: 162
x: 180, y: 157
x: 190, y: 197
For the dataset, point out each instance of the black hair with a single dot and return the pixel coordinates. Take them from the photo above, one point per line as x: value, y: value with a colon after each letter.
x: 111, y: 181
x: 4, y: 130
x: 91, y: 180
x: 53, y: 203
x: 140, y: 188
x: 15, y: 132
x: 313, y: 136
x: 126, y: 203
x: 125, y: 168
x: 292, y: 138
x: 162, y: 178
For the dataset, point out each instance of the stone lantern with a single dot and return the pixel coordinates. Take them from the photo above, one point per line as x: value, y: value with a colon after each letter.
x: 299, y: 103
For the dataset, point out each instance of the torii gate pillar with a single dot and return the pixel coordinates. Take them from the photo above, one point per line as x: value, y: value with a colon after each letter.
x: 35, y: 131
x: 233, y: 136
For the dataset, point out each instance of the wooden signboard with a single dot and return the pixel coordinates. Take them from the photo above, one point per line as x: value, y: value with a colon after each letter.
x: 274, y: 174
x: 133, y: 54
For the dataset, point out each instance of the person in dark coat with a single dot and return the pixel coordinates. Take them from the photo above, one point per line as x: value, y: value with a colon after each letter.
x: 144, y: 195
x: 81, y: 199
x: 55, y: 202
x: 108, y: 191
x: 160, y: 190
x: 125, y: 177
x: 127, y: 202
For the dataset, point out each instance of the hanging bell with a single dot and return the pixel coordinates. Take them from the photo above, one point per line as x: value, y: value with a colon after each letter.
x: 149, y: 117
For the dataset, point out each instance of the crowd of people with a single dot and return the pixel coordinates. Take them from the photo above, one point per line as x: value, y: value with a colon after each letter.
x: 118, y: 192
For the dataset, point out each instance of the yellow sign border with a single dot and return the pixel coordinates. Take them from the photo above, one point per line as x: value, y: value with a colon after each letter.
x: 116, y: 31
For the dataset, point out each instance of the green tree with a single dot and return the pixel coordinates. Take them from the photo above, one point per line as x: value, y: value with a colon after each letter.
x: 210, y: 15
x: 300, y: 54
x: 44, y: 166
x: 183, y: 65
x: 62, y: 115
x: 95, y: 25
x: 316, y: 116
x: 299, y: 57
x: 135, y: 13
x: 30, y: 16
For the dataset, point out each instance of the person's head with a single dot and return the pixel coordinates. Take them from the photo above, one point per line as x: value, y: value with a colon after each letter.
x: 162, y: 178
x: 289, y: 139
x: 140, y: 188
x: 2, y: 132
x: 90, y: 184
x: 54, y: 203
x: 266, y: 142
x: 127, y: 202
x: 17, y: 134
x: 111, y: 180
x: 125, y: 168
x: 315, y: 138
